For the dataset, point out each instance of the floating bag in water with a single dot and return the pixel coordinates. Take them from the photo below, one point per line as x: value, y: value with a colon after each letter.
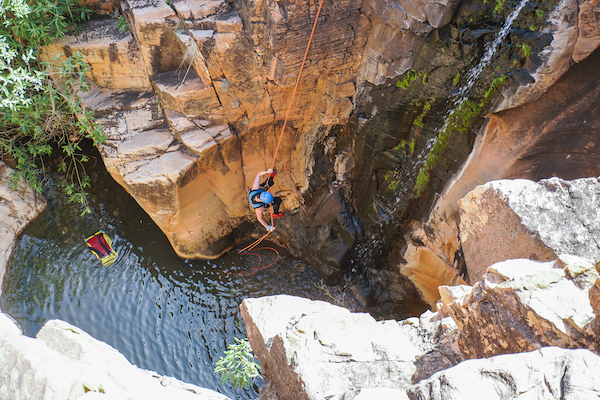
x: 100, y: 245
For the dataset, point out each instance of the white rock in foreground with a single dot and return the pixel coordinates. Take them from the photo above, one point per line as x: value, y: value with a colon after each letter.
x: 544, y: 374
x: 66, y: 363
x: 315, y: 350
x: 511, y: 219
x: 522, y: 305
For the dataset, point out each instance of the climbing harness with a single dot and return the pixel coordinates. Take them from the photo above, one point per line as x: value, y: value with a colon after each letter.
x: 100, y: 244
x: 287, y: 114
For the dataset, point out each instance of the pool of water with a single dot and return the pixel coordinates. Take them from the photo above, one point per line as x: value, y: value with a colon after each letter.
x: 163, y: 313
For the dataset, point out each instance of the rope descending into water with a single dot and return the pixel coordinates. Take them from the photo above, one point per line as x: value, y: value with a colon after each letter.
x: 287, y: 114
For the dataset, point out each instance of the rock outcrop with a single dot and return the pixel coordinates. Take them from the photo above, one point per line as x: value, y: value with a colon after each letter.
x: 503, y: 220
x: 555, y: 135
x: 522, y: 305
x: 64, y: 362
x: 18, y: 206
x: 547, y: 373
x: 315, y: 350
x: 574, y: 26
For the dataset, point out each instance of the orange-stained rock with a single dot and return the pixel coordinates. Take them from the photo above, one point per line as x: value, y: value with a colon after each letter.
x: 432, y: 258
x: 210, y: 83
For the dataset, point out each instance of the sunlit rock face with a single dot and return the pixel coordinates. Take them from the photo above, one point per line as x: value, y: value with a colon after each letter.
x: 18, y: 206
x: 315, y: 350
x: 555, y: 135
x: 547, y: 373
x: 193, y: 97
x: 63, y: 362
x: 503, y: 220
x: 527, y: 327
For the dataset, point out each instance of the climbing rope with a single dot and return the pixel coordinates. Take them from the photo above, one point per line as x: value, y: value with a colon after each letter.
x: 287, y: 114
x: 258, y: 268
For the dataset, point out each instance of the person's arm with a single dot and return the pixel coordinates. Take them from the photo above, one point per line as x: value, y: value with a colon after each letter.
x: 260, y: 218
x: 256, y: 183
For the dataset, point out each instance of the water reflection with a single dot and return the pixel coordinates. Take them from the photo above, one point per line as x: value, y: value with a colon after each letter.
x: 163, y: 313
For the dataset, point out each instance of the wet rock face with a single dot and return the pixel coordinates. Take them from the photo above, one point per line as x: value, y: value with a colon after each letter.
x: 574, y: 27
x: 555, y: 135
x: 504, y: 220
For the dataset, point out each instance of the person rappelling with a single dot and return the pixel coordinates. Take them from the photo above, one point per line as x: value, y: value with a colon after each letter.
x: 260, y: 198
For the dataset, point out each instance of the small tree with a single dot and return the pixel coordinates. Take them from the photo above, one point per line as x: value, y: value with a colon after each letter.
x: 238, y: 366
x: 39, y: 110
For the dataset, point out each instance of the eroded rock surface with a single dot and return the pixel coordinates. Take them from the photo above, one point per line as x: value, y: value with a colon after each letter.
x: 502, y: 220
x: 522, y: 305
x: 64, y: 362
x: 574, y: 26
x: 18, y: 207
x: 547, y: 373
x: 315, y: 350
x: 555, y: 135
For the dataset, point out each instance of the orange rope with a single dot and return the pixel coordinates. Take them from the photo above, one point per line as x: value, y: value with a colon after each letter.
x: 257, y: 268
x: 296, y: 86
x: 287, y: 114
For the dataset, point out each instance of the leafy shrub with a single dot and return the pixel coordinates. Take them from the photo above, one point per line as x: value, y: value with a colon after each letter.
x: 238, y: 365
x: 39, y: 110
x: 405, y: 82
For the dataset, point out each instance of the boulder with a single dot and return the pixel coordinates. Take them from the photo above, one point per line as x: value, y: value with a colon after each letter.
x: 315, y: 350
x: 64, y: 363
x: 503, y: 220
x: 18, y: 206
x: 522, y: 305
x: 547, y: 373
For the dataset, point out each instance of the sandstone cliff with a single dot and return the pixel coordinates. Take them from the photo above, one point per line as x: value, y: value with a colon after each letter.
x: 192, y: 101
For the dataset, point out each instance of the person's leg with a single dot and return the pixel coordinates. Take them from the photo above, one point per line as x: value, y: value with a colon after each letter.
x: 276, y: 204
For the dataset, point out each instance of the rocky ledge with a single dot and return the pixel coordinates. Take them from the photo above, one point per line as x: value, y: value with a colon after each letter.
x: 527, y: 330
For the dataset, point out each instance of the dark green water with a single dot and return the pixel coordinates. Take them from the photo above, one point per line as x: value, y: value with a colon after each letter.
x: 163, y: 313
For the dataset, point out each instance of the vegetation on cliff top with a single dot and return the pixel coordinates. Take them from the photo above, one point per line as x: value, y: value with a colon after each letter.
x: 39, y: 111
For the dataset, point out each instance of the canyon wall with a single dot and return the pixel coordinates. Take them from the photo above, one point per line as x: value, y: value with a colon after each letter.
x: 193, y: 98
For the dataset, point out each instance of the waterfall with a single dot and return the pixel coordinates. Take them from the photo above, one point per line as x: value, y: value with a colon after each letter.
x: 365, y: 251
x: 474, y: 73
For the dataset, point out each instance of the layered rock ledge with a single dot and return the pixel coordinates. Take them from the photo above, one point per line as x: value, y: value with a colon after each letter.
x: 507, y: 334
